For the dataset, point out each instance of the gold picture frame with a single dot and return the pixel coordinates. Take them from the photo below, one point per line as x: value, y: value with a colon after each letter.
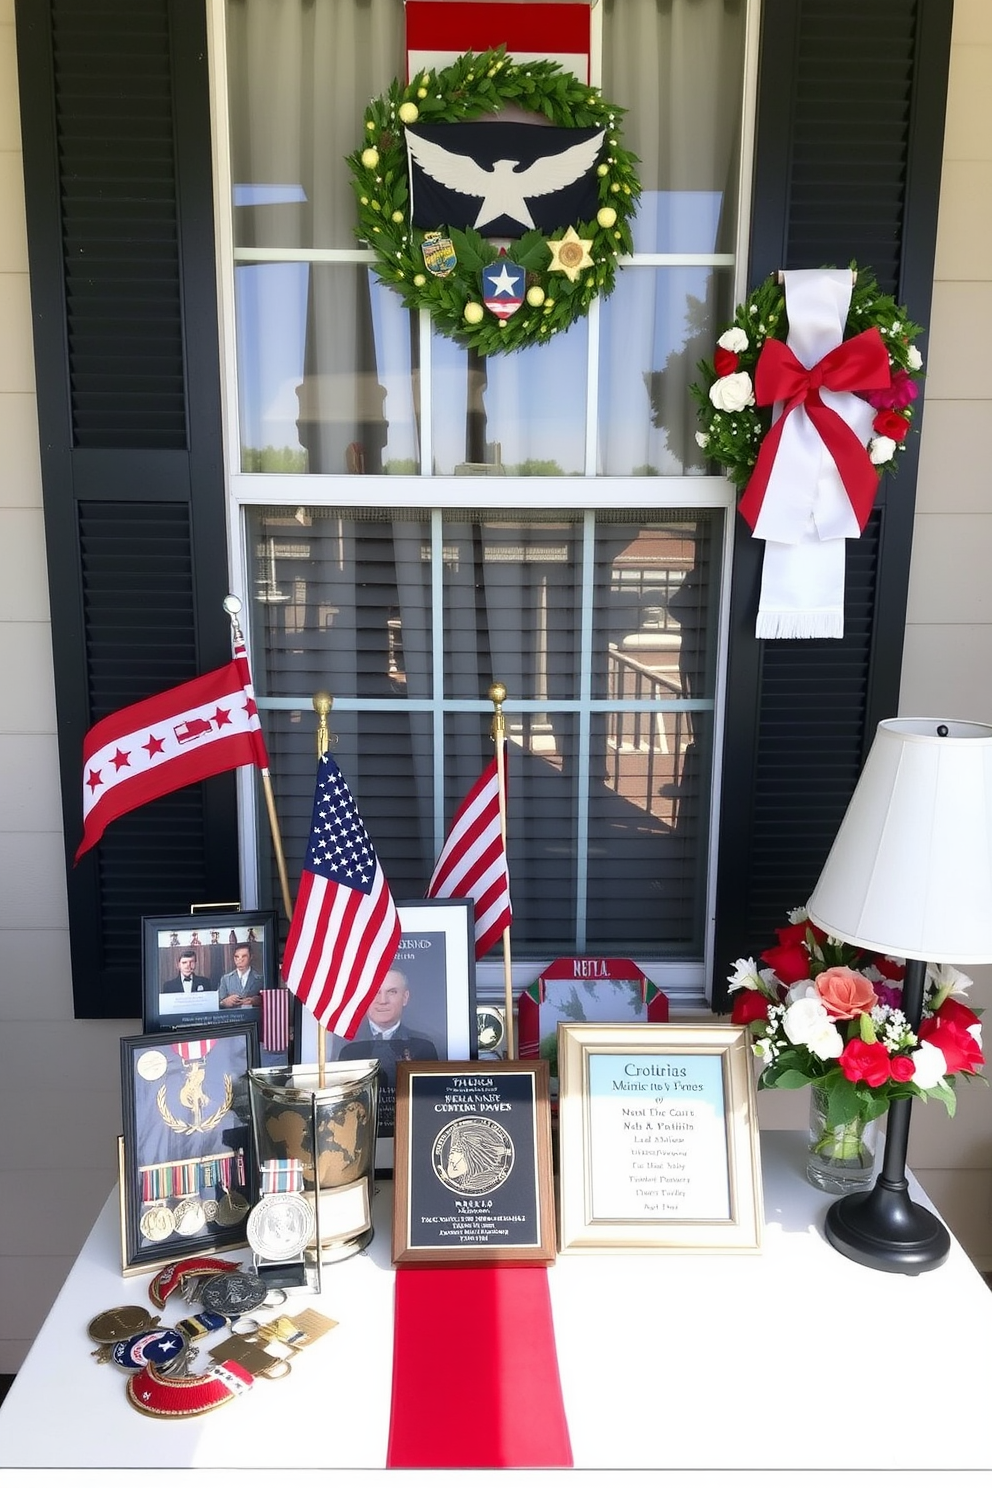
x: 658, y: 1138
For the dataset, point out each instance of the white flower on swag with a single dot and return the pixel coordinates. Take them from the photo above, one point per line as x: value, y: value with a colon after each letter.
x: 734, y: 340
x: 881, y: 450
x: 732, y: 394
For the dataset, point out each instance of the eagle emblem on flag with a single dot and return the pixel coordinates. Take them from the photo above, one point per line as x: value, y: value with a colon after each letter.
x: 502, y: 179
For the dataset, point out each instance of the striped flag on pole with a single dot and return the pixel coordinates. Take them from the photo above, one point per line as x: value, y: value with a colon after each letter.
x: 473, y: 862
x: 345, y: 928
x: 175, y: 738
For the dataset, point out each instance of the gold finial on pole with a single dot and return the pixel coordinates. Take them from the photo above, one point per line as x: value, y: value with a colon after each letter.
x: 322, y: 705
x: 497, y: 696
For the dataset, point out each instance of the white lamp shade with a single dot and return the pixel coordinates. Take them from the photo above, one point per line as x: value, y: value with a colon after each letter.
x: 910, y: 871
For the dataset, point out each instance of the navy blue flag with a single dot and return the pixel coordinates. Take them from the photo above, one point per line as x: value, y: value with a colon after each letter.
x: 502, y: 179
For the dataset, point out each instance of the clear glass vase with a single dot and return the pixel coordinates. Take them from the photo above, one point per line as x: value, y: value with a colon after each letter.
x: 841, y: 1159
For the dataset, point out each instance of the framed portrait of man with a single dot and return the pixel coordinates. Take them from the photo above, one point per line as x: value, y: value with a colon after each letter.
x: 215, y: 968
x: 424, y: 1008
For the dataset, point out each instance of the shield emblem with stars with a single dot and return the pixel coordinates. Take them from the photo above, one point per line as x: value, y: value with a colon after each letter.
x: 503, y: 285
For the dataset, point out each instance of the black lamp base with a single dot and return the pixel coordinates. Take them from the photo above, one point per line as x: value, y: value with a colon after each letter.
x: 884, y: 1229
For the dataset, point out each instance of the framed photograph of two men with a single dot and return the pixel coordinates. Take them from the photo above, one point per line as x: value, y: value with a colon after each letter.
x: 658, y: 1138
x: 472, y: 1180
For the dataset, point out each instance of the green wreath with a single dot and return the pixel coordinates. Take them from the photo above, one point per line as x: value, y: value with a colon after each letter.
x: 476, y: 84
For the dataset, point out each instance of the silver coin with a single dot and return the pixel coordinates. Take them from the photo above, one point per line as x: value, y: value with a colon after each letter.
x: 280, y: 1226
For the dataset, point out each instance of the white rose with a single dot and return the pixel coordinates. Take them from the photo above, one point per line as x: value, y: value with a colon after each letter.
x: 806, y: 1023
x: 734, y: 340
x: 702, y: 439
x: 881, y: 450
x: 929, y: 1065
x: 731, y: 394
x: 827, y: 1043
x: 914, y: 359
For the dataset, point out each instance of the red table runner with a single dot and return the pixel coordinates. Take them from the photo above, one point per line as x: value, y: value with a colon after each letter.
x: 475, y: 1371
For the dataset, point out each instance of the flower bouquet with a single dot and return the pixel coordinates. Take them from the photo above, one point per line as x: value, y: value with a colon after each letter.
x: 828, y: 1015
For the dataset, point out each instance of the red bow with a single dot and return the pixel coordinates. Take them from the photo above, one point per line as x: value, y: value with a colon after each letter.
x: 860, y: 363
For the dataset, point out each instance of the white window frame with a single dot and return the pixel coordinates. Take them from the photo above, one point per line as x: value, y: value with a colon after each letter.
x: 686, y: 982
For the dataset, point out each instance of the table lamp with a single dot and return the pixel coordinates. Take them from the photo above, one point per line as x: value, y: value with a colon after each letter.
x: 910, y: 875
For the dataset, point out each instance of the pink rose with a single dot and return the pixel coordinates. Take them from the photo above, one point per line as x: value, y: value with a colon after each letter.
x: 899, y: 394
x: 868, y: 1062
x: 844, y: 993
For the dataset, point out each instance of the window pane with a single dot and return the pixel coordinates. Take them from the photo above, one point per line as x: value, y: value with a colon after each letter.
x: 324, y: 371
x: 301, y: 75
x: 678, y: 69
x: 342, y: 602
x: 520, y: 414
x: 512, y: 606
x: 655, y: 329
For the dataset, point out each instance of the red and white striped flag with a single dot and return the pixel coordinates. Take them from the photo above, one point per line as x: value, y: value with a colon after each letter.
x: 438, y: 31
x: 473, y: 862
x: 175, y: 738
x: 345, y: 928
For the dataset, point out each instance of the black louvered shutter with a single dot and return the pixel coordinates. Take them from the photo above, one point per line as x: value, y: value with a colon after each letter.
x: 116, y: 132
x: 850, y: 128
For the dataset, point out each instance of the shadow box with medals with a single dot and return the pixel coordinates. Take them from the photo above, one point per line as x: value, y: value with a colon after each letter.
x: 472, y: 1177
x: 187, y: 1162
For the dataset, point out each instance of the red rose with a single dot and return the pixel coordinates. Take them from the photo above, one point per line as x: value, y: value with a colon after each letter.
x: 794, y: 934
x: 790, y: 963
x: 868, y: 1062
x: 901, y: 1068
x: 956, y: 1012
x: 893, y: 425
x: 749, y: 1007
x: 891, y: 971
x: 959, y: 1049
x: 724, y: 361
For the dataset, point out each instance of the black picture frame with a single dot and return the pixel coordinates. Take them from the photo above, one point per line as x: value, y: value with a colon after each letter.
x: 473, y: 1182
x: 214, y: 937
x: 186, y: 1154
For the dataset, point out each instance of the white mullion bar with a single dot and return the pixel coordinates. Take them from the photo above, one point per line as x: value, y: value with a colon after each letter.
x: 426, y: 398
x: 583, y: 721
x: 437, y: 669
x: 592, y: 388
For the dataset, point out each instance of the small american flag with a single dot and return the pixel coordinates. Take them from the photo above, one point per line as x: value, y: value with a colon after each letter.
x: 345, y: 928
x: 473, y: 862
x: 275, y: 1019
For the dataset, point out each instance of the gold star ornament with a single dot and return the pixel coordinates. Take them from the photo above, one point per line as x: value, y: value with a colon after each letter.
x: 570, y: 254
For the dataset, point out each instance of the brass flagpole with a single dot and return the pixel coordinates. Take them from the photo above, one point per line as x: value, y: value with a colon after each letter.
x: 322, y: 704
x: 232, y: 606
x: 497, y: 696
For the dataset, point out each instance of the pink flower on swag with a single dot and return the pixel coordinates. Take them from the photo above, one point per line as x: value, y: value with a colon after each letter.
x: 844, y: 993
x: 899, y: 394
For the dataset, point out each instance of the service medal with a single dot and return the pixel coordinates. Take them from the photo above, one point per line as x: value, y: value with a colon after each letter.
x: 503, y: 286
x: 280, y: 1226
x: 232, y: 1294
x: 157, y: 1224
x: 188, y: 1217
x: 164, y: 1347
x: 439, y: 255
